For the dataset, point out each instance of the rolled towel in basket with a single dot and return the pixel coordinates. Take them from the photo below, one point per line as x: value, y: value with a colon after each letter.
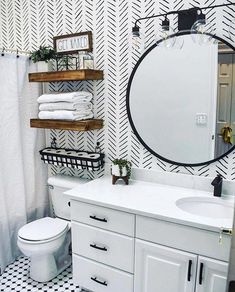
x: 51, y: 106
x: 77, y: 96
x: 64, y: 115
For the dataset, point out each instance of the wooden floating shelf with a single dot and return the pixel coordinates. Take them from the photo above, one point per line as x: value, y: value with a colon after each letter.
x: 84, y: 125
x: 71, y: 75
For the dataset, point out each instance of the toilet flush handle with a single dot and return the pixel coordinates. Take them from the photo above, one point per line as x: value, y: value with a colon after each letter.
x: 50, y: 187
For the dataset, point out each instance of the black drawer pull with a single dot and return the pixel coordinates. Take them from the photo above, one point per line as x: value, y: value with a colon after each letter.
x: 98, y: 247
x: 189, y: 270
x: 201, y: 273
x: 104, y: 283
x: 98, y: 219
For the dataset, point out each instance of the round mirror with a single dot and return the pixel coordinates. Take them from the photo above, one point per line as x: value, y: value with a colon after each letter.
x: 181, y: 101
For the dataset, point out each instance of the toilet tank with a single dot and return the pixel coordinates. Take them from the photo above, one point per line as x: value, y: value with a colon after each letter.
x: 59, y: 184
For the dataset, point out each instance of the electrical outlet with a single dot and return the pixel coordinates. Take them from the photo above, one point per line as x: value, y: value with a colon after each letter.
x: 201, y: 119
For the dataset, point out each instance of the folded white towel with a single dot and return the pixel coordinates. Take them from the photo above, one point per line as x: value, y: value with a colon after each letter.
x: 77, y: 96
x: 64, y: 115
x: 80, y: 106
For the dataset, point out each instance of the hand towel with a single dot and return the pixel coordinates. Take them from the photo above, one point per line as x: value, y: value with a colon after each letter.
x: 64, y: 115
x: 50, y: 106
x: 78, y: 96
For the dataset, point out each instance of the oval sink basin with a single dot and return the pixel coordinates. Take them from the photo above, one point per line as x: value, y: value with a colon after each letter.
x: 206, y: 207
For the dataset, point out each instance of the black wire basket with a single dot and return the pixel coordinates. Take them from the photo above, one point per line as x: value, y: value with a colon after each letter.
x: 77, y: 159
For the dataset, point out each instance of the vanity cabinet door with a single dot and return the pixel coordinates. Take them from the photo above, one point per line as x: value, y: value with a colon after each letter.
x: 211, y: 275
x: 159, y: 268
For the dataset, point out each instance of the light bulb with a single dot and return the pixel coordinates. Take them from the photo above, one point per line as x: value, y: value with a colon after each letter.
x: 199, y: 30
x: 165, y: 34
x: 136, y: 37
x: 167, y: 41
x: 179, y: 42
x: 136, y: 43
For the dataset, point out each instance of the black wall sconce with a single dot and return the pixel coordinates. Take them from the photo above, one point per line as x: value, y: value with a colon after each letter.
x: 188, y: 19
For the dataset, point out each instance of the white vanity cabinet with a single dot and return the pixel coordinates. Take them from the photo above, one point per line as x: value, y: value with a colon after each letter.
x: 117, y: 251
x: 135, y: 239
x: 159, y: 268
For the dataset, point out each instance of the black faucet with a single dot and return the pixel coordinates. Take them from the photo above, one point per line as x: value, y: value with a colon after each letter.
x: 217, y: 184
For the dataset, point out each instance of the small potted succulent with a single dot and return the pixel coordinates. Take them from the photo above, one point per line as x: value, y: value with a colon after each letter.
x: 121, y: 168
x: 42, y: 56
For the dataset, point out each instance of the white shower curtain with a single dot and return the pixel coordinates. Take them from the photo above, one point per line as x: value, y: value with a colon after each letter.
x: 23, y: 191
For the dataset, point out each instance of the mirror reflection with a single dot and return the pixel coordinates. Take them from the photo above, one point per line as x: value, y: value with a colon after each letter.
x: 181, y: 102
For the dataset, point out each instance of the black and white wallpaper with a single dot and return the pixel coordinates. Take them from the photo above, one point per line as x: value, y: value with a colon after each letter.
x: 26, y: 24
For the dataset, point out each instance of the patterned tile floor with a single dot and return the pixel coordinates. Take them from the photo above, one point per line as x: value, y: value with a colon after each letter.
x: 16, y: 278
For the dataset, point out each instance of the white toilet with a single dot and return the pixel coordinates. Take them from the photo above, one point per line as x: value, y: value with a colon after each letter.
x: 47, y: 241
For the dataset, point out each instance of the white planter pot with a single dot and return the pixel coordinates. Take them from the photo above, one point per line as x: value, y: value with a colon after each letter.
x: 43, y: 66
x: 116, y: 171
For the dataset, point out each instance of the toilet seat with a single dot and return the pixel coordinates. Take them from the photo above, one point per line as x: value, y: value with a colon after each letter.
x: 43, y: 230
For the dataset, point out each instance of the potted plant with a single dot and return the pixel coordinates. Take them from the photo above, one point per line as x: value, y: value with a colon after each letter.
x: 121, y: 168
x: 42, y: 56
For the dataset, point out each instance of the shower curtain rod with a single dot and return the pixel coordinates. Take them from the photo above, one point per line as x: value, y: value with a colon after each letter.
x: 3, y: 50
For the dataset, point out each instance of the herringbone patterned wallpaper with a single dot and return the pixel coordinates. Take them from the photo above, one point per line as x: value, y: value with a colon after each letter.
x: 26, y: 24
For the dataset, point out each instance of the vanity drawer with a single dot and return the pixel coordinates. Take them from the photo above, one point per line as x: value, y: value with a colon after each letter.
x: 103, y: 246
x: 105, y: 279
x: 105, y: 218
x: 183, y: 237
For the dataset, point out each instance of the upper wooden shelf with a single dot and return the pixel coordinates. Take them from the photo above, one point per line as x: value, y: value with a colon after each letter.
x: 84, y: 125
x: 71, y: 75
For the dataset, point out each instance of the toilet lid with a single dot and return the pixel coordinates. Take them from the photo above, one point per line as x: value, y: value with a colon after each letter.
x: 43, y: 229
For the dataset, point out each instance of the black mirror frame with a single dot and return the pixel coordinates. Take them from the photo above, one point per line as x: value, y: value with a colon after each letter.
x: 180, y: 33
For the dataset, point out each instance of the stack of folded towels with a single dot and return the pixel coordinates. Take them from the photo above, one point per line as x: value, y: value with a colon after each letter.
x: 71, y: 106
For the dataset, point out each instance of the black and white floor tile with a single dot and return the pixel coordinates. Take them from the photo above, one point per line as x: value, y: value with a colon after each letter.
x: 16, y: 278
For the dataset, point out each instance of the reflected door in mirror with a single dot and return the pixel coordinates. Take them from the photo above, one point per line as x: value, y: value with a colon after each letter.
x: 225, y: 101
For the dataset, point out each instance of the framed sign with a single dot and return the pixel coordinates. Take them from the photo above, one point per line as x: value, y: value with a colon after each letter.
x: 72, y: 43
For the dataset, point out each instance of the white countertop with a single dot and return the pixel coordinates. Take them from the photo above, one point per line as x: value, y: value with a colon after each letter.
x: 148, y: 199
